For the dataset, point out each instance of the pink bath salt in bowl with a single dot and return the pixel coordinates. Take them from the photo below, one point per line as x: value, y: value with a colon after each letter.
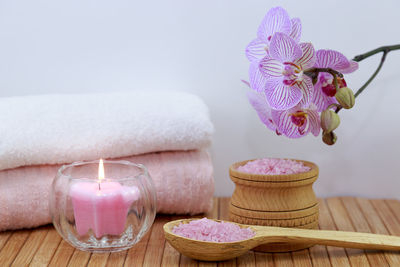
x: 271, y: 166
x: 212, y: 231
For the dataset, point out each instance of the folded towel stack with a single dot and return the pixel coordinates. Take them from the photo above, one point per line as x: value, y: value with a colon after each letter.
x: 166, y: 131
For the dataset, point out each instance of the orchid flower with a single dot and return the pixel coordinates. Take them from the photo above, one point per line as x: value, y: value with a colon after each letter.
x: 297, y: 121
x: 276, y: 20
x: 285, y: 83
x: 282, y: 72
x: 324, y: 93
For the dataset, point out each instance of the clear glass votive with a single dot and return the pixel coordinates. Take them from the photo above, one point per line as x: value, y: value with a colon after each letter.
x: 103, y: 215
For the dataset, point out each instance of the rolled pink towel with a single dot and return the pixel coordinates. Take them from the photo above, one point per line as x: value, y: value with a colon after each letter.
x: 184, y: 184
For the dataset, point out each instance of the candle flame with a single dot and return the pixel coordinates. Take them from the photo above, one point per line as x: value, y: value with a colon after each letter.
x: 101, y: 170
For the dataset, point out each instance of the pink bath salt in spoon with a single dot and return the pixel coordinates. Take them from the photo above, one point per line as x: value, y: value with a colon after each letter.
x: 212, y: 231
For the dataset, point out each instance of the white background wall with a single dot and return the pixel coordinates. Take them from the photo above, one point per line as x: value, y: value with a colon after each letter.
x: 198, y: 46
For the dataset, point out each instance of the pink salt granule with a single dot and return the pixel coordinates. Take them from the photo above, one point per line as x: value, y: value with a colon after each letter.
x: 212, y: 231
x: 272, y: 166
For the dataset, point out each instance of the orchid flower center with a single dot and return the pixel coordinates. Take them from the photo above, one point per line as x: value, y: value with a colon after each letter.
x: 299, y: 118
x: 291, y: 73
x: 327, y: 85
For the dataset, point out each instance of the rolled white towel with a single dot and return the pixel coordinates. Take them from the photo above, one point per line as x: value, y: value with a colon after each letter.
x: 53, y: 129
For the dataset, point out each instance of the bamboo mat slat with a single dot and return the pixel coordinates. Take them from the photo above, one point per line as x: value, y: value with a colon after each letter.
x: 361, y: 225
x: 44, y: 247
x: 62, y: 255
x: 377, y: 226
x: 31, y: 245
x: 47, y: 249
x: 342, y: 221
x: 11, y: 249
x: 79, y: 258
x: 337, y: 256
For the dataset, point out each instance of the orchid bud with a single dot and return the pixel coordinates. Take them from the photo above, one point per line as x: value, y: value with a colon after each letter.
x: 329, y: 138
x: 345, y: 97
x: 330, y: 120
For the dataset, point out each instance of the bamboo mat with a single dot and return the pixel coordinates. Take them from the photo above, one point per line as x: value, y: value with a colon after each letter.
x: 44, y: 247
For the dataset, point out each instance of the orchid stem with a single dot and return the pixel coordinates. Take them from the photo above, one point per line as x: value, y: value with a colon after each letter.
x: 335, y: 82
x: 385, y: 50
x: 313, y: 72
x: 337, y: 106
x: 359, y: 91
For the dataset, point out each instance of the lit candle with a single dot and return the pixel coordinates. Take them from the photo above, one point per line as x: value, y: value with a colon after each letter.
x: 102, y: 206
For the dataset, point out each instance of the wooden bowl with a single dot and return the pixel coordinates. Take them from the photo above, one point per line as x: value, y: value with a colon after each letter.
x: 275, y: 200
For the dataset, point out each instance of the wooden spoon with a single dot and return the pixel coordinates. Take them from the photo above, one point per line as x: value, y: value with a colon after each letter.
x: 214, y: 251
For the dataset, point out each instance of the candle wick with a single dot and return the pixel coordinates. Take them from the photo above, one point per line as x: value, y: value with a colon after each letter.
x: 99, y: 186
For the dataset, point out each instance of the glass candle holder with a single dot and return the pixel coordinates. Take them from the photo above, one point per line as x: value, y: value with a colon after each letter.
x: 103, y: 215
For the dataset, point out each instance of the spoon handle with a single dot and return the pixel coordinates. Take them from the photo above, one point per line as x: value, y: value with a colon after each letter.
x: 329, y: 238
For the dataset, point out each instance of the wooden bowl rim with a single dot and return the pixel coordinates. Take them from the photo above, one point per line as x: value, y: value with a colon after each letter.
x: 277, y: 220
x: 276, y: 215
x: 312, y: 173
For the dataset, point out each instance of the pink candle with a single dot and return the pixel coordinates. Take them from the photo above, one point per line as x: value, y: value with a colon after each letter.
x: 102, y: 207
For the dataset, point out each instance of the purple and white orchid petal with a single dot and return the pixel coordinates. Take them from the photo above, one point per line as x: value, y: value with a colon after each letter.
x: 271, y: 67
x: 276, y: 20
x: 319, y: 97
x: 257, y: 79
x: 331, y: 59
x: 321, y: 100
x: 296, y: 29
x: 315, y: 124
x: 352, y: 67
x: 307, y: 88
x: 308, y: 58
x: 280, y: 96
x: 255, y: 50
x: 263, y: 110
x: 284, y: 48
